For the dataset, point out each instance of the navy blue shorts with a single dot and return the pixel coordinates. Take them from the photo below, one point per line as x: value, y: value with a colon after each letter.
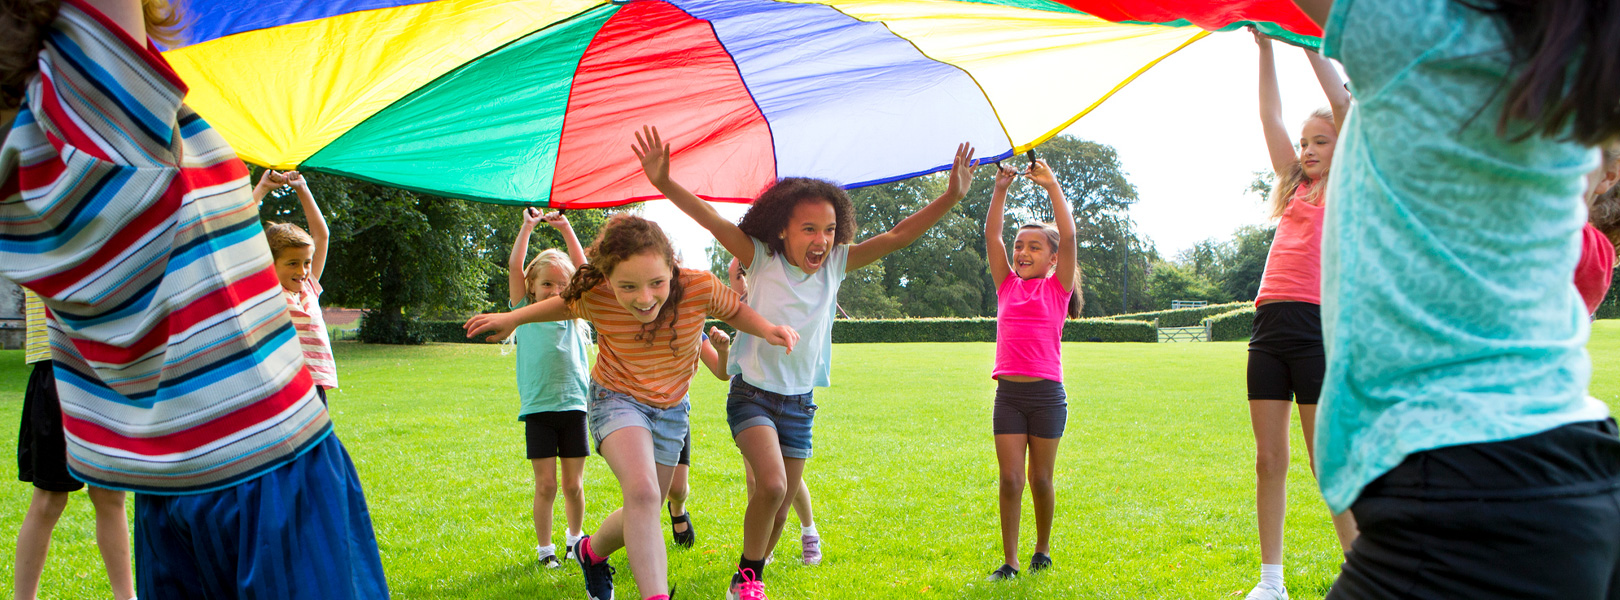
x: 299, y: 531
x: 792, y: 416
x: 1036, y: 408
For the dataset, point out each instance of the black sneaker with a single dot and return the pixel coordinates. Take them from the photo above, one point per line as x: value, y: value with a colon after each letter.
x: 684, y: 539
x: 598, y: 577
x: 1039, y: 562
x: 1005, y: 572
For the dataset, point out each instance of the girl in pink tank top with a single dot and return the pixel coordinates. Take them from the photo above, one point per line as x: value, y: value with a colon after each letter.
x: 1286, y: 357
x: 1033, y: 295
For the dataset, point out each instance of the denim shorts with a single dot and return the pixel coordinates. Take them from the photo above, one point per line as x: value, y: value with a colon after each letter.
x: 610, y: 411
x: 790, y: 415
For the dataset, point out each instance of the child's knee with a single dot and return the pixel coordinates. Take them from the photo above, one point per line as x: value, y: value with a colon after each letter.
x: 546, y: 488
x: 48, y: 504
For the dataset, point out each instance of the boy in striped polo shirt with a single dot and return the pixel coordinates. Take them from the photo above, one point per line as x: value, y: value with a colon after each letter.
x: 300, y: 258
x: 178, y: 370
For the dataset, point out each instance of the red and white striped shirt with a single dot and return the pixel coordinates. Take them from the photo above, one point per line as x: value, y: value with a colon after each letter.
x: 177, y: 366
x: 305, y: 309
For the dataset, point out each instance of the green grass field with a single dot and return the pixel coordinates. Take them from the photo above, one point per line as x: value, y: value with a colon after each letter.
x: 1155, y: 479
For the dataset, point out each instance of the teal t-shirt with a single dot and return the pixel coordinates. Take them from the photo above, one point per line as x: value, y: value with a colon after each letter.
x: 1448, y: 305
x: 553, y: 365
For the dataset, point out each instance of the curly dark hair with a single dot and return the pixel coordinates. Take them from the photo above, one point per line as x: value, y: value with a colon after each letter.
x: 768, y: 216
x: 24, y: 23
x: 622, y: 237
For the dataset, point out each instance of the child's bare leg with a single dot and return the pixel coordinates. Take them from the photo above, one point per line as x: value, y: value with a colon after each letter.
x: 112, y: 538
x: 678, y: 491
x: 1010, y: 449
x: 636, y: 527
x: 1344, y: 524
x: 1042, y: 462
x: 573, y: 490
x: 801, y: 504
x: 545, y: 497
x: 794, y: 470
x: 34, y: 541
x: 763, y: 452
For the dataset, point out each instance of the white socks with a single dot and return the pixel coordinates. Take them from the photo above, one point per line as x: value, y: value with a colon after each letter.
x: 573, y: 538
x: 541, y: 552
x: 809, y: 530
x: 1272, y: 576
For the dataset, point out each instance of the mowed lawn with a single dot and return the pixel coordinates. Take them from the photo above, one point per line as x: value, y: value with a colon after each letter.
x: 1155, y: 479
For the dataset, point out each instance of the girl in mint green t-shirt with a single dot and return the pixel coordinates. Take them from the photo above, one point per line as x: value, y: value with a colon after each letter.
x: 553, y: 381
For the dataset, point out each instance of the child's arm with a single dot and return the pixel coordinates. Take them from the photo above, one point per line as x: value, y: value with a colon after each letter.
x: 912, y: 227
x: 1068, y: 254
x: 127, y: 14
x: 1332, y: 85
x: 1271, y: 119
x: 995, y: 248
x: 751, y: 323
x: 714, y: 352
x: 501, y: 325
x: 269, y: 180
x: 559, y: 222
x: 654, y: 156
x: 517, y: 285
x: 317, y: 223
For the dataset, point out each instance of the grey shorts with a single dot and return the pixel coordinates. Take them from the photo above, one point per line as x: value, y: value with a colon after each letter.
x: 610, y: 411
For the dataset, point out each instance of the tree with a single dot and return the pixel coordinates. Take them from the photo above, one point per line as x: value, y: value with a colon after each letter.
x: 719, y: 260
x: 1170, y: 281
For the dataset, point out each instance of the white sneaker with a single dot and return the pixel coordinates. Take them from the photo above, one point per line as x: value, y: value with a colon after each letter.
x: 1266, y: 592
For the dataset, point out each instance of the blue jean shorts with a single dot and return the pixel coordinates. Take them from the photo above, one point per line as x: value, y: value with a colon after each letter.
x: 791, y: 416
x: 609, y: 411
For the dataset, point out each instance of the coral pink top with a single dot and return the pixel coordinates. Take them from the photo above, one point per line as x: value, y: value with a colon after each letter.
x: 1596, y: 269
x: 1029, y: 327
x: 1294, y: 266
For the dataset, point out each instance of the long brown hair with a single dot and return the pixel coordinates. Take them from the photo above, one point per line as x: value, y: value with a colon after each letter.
x: 1566, y: 63
x: 1287, y: 183
x: 1077, y: 302
x: 622, y: 237
x: 25, y: 22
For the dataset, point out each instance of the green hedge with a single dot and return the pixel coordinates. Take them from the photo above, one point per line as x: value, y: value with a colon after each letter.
x: 862, y: 331
x: 981, y: 329
x: 449, y: 331
x: 1232, y: 325
x: 1185, y: 317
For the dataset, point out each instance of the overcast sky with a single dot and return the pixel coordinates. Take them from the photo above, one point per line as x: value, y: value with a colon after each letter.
x: 1188, y: 136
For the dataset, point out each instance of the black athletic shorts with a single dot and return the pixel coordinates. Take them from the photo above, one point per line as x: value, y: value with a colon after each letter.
x: 561, y: 433
x: 1533, y: 517
x: 686, y: 450
x: 41, y: 445
x: 1286, y: 360
x: 1038, y: 408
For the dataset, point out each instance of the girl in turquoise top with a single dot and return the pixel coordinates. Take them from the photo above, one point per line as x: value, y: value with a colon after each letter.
x: 1454, y: 416
x: 552, y: 379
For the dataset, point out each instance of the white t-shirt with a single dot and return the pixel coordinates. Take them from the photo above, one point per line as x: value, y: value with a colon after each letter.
x: 785, y: 295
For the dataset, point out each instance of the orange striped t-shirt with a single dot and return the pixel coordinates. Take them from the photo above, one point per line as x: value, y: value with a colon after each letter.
x: 651, y: 372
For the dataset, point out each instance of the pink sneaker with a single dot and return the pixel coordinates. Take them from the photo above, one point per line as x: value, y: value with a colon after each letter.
x: 745, y: 586
x: 812, y: 549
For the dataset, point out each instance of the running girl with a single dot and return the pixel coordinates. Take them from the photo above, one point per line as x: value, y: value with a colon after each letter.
x: 795, y: 243
x: 648, y: 313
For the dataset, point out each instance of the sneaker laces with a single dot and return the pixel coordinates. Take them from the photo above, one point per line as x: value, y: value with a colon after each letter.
x: 751, y: 587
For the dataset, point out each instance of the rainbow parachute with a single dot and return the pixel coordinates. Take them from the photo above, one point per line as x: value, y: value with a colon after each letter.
x: 534, y: 102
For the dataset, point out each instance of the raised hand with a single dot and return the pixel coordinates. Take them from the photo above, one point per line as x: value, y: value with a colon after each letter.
x: 498, y: 325
x: 556, y: 219
x: 961, y: 172
x: 1005, y: 176
x: 1041, y: 174
x: 654, y: 155
x: 295, y: 179
x: 272, y: 178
